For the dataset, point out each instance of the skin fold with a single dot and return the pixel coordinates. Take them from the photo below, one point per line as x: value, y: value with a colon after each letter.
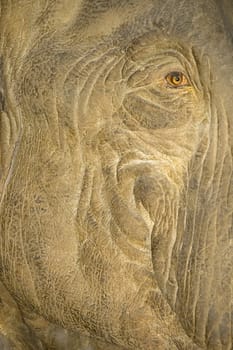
x: 116, y: 187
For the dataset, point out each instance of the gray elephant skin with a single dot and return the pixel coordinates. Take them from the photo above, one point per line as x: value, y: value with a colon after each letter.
x: 116, y: 160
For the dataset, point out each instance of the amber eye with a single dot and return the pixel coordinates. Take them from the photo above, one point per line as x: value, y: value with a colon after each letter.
x: 176, y: 80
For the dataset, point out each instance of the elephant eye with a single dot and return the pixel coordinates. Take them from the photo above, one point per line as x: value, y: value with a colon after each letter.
x: 176, y: 80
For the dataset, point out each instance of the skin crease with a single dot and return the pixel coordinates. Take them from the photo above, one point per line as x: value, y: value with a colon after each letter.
x: 115, y: 183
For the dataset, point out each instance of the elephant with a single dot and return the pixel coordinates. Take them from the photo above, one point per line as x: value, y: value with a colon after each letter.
x: 116, y: 186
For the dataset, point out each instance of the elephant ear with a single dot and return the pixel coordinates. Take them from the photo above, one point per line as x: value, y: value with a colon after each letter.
x: 226, y: 7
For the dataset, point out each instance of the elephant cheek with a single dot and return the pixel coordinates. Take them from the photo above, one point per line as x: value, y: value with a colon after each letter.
x: 192, y: 246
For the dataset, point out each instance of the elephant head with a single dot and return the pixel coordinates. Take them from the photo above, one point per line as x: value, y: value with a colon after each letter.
x: 116, y: 192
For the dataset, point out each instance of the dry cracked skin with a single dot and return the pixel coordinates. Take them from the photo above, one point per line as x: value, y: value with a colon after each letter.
x: 116, y: 186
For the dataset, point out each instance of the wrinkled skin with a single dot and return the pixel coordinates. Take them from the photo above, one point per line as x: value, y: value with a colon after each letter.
x: 116, y: 186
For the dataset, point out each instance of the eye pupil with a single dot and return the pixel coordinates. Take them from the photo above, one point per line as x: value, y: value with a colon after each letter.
x: 177, y: 78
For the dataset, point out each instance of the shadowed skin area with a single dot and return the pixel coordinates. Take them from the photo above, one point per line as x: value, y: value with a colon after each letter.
x: 116, y: 191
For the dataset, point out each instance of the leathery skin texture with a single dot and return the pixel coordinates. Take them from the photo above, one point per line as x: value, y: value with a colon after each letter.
x: 116, y: 190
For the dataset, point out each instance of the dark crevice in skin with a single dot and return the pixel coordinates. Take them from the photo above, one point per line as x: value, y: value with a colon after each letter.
x: 2, y: 101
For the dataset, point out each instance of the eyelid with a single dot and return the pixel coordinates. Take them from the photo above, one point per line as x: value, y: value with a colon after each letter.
x: 150, y: 74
